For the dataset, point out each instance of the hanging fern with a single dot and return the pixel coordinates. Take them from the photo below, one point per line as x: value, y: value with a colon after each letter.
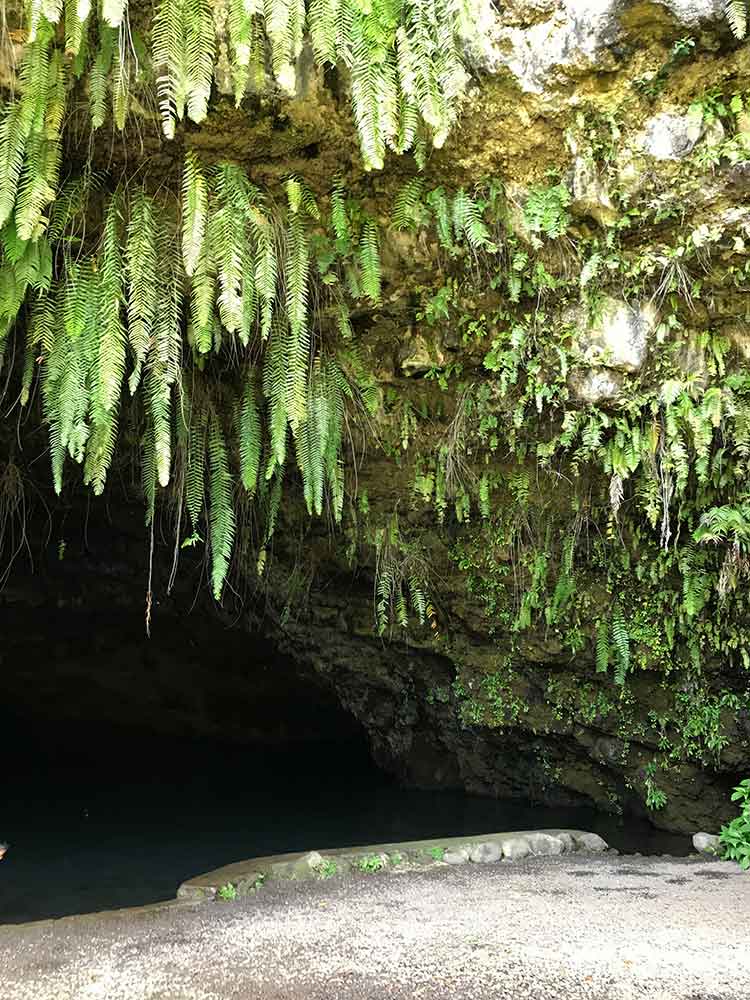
x: 602, y: 646
x: 736, y: 11
x: 221, y: 510
x: 620, y: 644
x: 183, y: 52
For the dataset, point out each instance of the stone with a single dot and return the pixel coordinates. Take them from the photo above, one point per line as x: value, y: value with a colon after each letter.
x: 598, y: 385
x: 590, y: 193
x: 545, y: 844
x: 706, y: 843
x: 542, y: 43
x: 307, y: 866
x: 694, y: 12
x: 456, y: 856
x: 618, y: 336
x: 573, y: 39
x: 593, y: 843
x: 516, y: 848
x: 485, y: 854
x: 669, y: 136
x: 421, y: 357
x: 567, y: 840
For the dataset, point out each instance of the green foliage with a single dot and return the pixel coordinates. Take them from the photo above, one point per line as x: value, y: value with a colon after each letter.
x: 227, y: 893
x: 655, y: 798
x: 735, y: 836
x: 370, y: 863
x: 546, y: 211
x: 183, y: 39
x: 437, y: 853
x: 737, y: 11
x: 327, y: 868
x: 459, y: 218
x: 404, y: 62
x: 401, y: 581
x: 108, y: 307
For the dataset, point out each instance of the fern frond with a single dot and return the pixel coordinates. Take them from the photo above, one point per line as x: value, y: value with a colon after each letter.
x: 143, y: 280
x: 249, y: 434
x: 602, y: 646
x: 620, y: 644
x: 221, y: 510
x: 407, y: 205
x: 194, y: 212
x: 736, y: 11
x: 369, y: 260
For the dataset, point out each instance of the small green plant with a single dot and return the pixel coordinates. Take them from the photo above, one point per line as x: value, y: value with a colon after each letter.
x: 371, y: 863
x: 545, y: 211
x: 735, y: 836
x: 396, y: 859
x: 327, y: 868
x: 438, y: 853
x: 655, y: 797
x: 227, y: 892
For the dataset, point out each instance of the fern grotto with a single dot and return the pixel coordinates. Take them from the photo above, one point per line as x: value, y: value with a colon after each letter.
x: 408, y: 338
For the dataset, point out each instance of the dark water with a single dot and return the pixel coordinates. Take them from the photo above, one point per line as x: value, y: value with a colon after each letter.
x: 98, y: 820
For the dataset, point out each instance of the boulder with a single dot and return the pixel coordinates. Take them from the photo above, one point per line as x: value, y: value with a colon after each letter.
x: 618, y: 336
x: 485, y: 854
x: 545, y: 844
x: 669, y: 136
x: 456, y: 856
x: 515, y: 848
x: 706, y: 843
x: 592, y: 842
x: 595, y: 386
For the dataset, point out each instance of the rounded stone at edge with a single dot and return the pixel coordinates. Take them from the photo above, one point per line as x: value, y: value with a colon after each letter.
x: 486, y: 853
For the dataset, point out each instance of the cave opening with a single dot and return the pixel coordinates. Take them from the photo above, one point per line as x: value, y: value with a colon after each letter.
x: 130, y: 764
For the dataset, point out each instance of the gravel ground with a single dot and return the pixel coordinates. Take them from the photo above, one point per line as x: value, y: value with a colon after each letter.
x: 594, y: 927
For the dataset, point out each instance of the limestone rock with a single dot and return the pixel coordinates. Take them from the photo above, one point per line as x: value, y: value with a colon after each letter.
x: 456, y: 856
x: 591, y: 842
x: 421, y: 357
x: 545, y: 844
x: 516, y: 848
x: 618, y: 337
x: 706, y: 843
x: 669, y: 136
x: 541, y: 42
x: 590, y: 193
x: 567, y: 840
x: 307, y: 866
x: 485, y: 854
x: 694, y: 12
x: 595, y: 386
x: 572, y: 40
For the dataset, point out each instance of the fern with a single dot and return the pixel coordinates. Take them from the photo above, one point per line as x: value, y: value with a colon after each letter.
x: 194, y: 212
x: 183, y: 51
x: 736, y: 11
x: 467, y: 222
x: 249, y: 434
x: 113, y: 12
x: 221, y: 510
x: 620, y: 644
x: 602, y: 646
x: 408, y: 205
x: 247, y: 42
x: 369, y: 260
x: 143, y: 281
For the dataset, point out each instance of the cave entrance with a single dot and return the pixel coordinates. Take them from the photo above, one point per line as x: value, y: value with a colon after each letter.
x: 129, y: 765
